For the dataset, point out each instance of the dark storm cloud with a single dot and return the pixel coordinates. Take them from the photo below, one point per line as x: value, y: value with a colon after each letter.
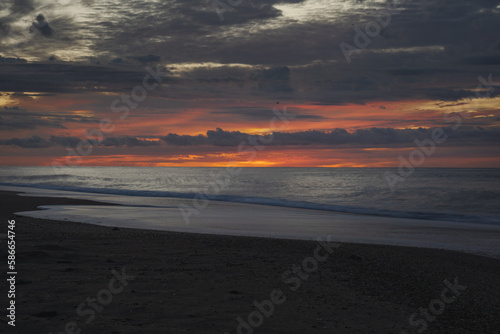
x: 227, y: 81
x: 267, y: 81
x: 72, y: 142
x: 32, y: 142
x: 277, y: 73
x: 22, y: 6
x: 298, y: 60
x: 483, y: 60
x: 12, y: 60
x: 149, y: 59
x: 422, y: 71
x: 373, y: 137
x: 63, y: 77
x: 14, y: 118
x: 41, y: 25
x: 189, y: 31
x: 184, y: 140
x: 65, y: 141
x: 19, y: 124
x: 276, y: 79
x: 445, y: 94
x: 218, y: 137
x: 359, y: 138
x: 66, y: 77
x: 128, y: 141
x: 192, y: 31
x: 246, y: 11
x: 205, y: 12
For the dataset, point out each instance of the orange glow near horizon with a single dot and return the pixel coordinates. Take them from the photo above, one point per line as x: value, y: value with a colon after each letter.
x: 291, y: 157
x: 151, y: 123
x: 197, y: 120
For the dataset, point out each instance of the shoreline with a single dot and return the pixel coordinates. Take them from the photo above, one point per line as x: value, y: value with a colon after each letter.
x: 105, y: 196
x: 198, y: 283
x: 255, y: 220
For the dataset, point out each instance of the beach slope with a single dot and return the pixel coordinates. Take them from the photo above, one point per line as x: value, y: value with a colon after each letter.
x: 81, y: 278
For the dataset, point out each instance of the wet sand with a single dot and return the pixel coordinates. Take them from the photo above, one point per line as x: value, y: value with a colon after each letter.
x: 198, y: 283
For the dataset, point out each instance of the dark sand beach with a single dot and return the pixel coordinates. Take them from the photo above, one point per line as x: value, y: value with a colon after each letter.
x: 193, y: 283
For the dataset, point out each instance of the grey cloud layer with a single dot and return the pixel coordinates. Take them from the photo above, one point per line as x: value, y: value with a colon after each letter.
x: 14, y: 118
x: 66, y: 77
x: 362, y: 137
x: 293, y: 60
x: 374, y: 137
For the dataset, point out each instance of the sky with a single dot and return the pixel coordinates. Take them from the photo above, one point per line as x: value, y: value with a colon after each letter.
x: 312, y: 83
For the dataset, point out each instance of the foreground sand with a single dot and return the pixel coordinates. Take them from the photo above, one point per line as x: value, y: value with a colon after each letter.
x: 192, y: 283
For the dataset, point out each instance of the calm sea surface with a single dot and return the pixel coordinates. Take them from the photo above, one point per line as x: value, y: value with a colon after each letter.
x: 467, y: 195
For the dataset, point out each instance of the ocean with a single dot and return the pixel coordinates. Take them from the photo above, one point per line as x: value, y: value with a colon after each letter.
x: 450, y: 194
x: 445, y: 208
